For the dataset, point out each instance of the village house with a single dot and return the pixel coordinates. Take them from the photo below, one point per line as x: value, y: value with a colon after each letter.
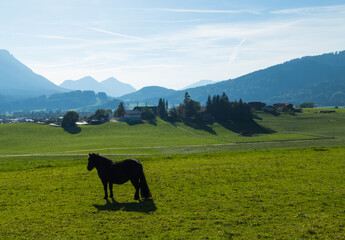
x: 269, y: 108
x: 153, y: 108
x: 132, y: 115
x: 282, y: 106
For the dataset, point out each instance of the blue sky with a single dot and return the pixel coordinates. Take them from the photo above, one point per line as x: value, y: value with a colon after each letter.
x: 166, y: 43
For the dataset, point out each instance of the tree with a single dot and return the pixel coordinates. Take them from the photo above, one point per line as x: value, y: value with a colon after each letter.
x: 69, y: 119
x: 190, y: 107
x: 307, y: 105
x: 147, y: 113
x: 120, y: 111
x: 101, y: 115
x: 161, y: 108
x: 223, y: 110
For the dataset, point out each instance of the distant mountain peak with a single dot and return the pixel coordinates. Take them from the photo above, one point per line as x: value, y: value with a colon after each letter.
x: 111, y: 86
x: 5, y: 52
x: 87, y: 78
x: 199, y: 84
x: 18, y: 80
x: 111, y: 79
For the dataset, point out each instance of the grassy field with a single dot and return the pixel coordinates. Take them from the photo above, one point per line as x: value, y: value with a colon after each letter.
x: 201, y: 189
x: 280, y: 194
x: 160, y: 136
x: 310, y: 122
x: 144, y: 138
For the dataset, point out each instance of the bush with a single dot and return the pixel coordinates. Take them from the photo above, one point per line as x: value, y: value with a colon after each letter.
x: 69, y: 119
x: 307, y: 105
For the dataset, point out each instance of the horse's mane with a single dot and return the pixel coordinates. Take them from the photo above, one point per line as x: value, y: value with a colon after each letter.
x: 103, y: 159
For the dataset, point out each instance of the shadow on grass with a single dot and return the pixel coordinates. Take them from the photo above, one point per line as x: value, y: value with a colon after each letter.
x: 276, y: 114
x: 199, y: 125
x: 132, y: 123
x: 72, y: 130
x: 246, y: 126
x: 257, y: 117
x: 152, y: 122
x: 144, y: 206
x: 249, y: 127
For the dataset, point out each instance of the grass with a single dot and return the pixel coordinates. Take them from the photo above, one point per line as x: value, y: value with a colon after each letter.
x: 202, y: 189
x: 281, y: 194
x: 331, y: 125
x: 120, y: 138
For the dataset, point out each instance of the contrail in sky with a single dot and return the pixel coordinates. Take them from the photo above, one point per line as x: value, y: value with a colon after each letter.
x: 114, y: 33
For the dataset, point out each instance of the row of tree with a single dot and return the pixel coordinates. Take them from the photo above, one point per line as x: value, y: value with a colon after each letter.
x: 222, y: 109
x: 219, y: 108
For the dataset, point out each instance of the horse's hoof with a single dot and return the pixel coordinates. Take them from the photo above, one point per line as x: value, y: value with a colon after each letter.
x: 105, y: 198
x: 136, y: 198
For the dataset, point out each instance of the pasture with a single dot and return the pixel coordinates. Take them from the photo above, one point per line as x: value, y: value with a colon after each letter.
x: 200, y: 189
x: 144, y: 138
x: 282, y: 194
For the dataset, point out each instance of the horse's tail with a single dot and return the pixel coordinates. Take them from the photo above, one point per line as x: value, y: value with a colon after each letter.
x: 145, y: 191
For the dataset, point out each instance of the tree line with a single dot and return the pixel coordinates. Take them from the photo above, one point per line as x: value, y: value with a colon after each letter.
x: 218, y: 108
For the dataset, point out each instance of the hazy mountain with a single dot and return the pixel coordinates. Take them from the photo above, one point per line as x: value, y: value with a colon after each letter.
x: 19, y: 81
x: 110, y: 86
x: 147, y: 93
x: 85, y: 83
x: 199, y: 84
x: 319, y: 79
x: 115, y: 88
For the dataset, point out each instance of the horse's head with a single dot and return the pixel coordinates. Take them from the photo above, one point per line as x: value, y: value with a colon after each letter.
x: 92, y: 161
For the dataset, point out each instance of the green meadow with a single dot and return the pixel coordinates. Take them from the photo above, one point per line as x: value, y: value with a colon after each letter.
x: 286, y: 181
x: 153, y: 137
x: 280, y: 194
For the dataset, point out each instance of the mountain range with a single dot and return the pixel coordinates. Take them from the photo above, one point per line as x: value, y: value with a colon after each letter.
x: 319, y: 79
x: 19, y: 81
x: 111, y: 86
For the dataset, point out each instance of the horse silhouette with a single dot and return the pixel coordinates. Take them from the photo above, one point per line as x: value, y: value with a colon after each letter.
x: 119, y: 173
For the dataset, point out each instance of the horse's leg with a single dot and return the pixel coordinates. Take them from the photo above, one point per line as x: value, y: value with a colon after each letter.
x: 105, y: 183
x: 111, y: 189
x: 135, y: 182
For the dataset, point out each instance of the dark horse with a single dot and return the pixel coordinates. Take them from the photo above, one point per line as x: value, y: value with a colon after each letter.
x: 119, y: 173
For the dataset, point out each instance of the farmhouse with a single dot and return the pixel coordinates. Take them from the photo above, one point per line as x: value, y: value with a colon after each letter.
x: 282, y: 106
x: 132, y: 115
x: 154, y: 109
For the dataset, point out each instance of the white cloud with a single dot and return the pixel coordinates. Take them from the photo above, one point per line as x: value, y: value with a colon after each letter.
x: 309, y: 10
x: 178, y: 57
x: 207, y: 11
x: 115, y: 34
x: 178, y: 10
x: 59, y: 37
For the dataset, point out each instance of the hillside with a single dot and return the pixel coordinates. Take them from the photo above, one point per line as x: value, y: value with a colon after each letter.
x: 319, y: 79
x: 111, y: 86
x: 19, y: 81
